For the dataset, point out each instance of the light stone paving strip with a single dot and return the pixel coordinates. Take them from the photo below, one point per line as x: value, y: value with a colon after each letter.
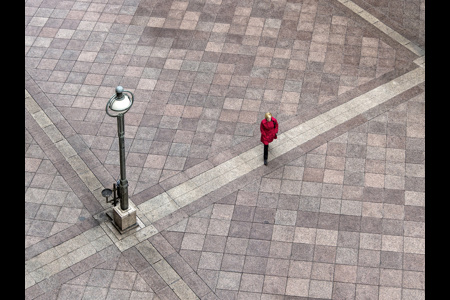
x: 187, y: 192
x: 381, y: 26
x: 67, y: 254
x: 163, y: 268
x: 199, y: 186
x: 123, y: 242
x: 65, y: 148
x: 74, y: 250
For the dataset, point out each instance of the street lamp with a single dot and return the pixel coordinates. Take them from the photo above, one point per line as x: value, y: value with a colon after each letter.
x: 124, y: 216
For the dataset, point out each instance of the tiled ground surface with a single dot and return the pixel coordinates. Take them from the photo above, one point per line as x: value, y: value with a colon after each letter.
x: 407, y: 17
x: 203, y: 72
x: 50, y: 204
x: 344, y: 221
x: 339, y: 218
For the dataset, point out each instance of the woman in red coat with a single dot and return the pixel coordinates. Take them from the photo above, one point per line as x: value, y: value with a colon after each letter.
x: 269, y: 129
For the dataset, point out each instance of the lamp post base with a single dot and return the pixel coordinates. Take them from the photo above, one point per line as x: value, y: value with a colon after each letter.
x: 124, y: 220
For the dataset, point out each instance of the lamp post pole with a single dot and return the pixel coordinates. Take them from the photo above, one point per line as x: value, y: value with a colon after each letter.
x: 124, y: 216
x: 123, y: 177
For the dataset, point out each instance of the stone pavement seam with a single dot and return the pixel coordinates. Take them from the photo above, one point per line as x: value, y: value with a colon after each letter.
x: 196, y: 188
x: 65, y: 255
x: 165, y: 270
x: 383, y: 27
x: 203, y: 184
x: 64, y: 147
x: 65, y: 183
x: 81, y: 169
x: 72, y: 251
x: 191, y: 188
x: 53, y: 261
x: 329, y: 241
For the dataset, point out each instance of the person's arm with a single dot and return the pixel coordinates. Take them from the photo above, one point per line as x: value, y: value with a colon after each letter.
x: 263, y: 132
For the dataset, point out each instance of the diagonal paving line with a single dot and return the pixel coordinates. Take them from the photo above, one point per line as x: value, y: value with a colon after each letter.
x: 65, y: 255
x: 199, y: 186
x: 56, y: 259
x: 208, y: 181
x: 72, y: 251
x: 213, y: 179
x: 123, y: 242
x: 64, y: 147
x: 383, y: 27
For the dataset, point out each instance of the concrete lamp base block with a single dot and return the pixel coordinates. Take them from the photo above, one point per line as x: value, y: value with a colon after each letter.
x: 124, y: 220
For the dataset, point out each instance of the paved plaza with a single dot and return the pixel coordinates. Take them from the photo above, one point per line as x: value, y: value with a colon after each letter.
x: 338, y: 212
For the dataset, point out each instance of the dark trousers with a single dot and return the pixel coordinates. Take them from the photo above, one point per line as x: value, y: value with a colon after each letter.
x: 266, y: 151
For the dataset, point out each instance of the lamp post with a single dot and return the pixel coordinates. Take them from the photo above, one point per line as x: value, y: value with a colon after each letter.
x: 124, y: 216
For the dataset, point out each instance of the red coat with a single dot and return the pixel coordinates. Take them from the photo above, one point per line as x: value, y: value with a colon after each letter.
x: 268, y: 132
